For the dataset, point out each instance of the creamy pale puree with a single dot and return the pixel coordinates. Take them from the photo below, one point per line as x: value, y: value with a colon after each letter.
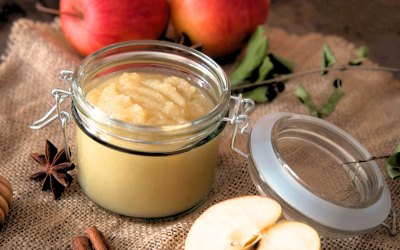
x: 150, y: 100
x: 147, y: 186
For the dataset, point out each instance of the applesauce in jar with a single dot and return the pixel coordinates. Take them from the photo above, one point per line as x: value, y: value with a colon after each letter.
x: 146, y: 99
x: 144, y: 185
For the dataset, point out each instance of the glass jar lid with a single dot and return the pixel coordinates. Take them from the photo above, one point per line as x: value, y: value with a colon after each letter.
x: 298, y: 160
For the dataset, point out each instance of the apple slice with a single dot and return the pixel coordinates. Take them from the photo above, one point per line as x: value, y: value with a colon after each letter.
x: 242, y: 238
x: 289, y: 235
x: 233, y: 224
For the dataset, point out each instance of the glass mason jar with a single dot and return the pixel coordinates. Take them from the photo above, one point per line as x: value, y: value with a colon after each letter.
x: 138, y: 170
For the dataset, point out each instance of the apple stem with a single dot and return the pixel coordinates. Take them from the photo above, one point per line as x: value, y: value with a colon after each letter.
x: 197, y: 45
x: 181, y: 40
x: 41, y: 8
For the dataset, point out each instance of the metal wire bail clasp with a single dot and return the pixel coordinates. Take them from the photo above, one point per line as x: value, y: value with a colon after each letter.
x: 391, y: 230
x: 65, y: 118
x: 238, y: 118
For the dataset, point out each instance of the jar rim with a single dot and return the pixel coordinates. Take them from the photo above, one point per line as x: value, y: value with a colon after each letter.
x: 168, y: 49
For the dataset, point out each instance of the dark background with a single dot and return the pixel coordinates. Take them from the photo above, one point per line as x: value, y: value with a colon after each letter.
x: 374, y: 23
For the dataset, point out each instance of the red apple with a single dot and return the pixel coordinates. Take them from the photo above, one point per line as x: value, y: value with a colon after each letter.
x: 104, y: 22
x: 221, y: 25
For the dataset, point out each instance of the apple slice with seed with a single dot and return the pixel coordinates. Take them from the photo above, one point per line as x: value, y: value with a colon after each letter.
x: 242, y: 238
x: 233, y: 224
x: 289, y: 235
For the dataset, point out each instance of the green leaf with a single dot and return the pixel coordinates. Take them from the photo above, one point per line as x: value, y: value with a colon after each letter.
x: 363, y: 52
x: 392, y: 171
x: 392, y: 165
x: 306, y: 99
x: 328, y: 58
x: 264, y: 69
x: 258, y: 94
x: 255, y: 53
x: 285, y: 62
x: 356, y: 62
x: 324, y: 63
x: 333, y: 100
x: 394, y: 160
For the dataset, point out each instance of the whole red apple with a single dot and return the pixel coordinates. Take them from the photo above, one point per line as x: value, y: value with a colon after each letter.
x: 104, y: 22
x: 221, y: 25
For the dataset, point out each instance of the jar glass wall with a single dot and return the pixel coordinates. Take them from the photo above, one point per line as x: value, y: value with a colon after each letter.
x: 147, y: 171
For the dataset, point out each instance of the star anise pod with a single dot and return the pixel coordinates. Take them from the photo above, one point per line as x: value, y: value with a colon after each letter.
x: 55, y: 166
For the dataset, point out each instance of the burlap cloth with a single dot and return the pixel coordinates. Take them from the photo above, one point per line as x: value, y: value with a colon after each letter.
x: 30, y: 69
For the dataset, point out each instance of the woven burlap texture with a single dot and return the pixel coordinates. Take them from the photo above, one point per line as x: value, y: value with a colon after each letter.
x: 37, y: 52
